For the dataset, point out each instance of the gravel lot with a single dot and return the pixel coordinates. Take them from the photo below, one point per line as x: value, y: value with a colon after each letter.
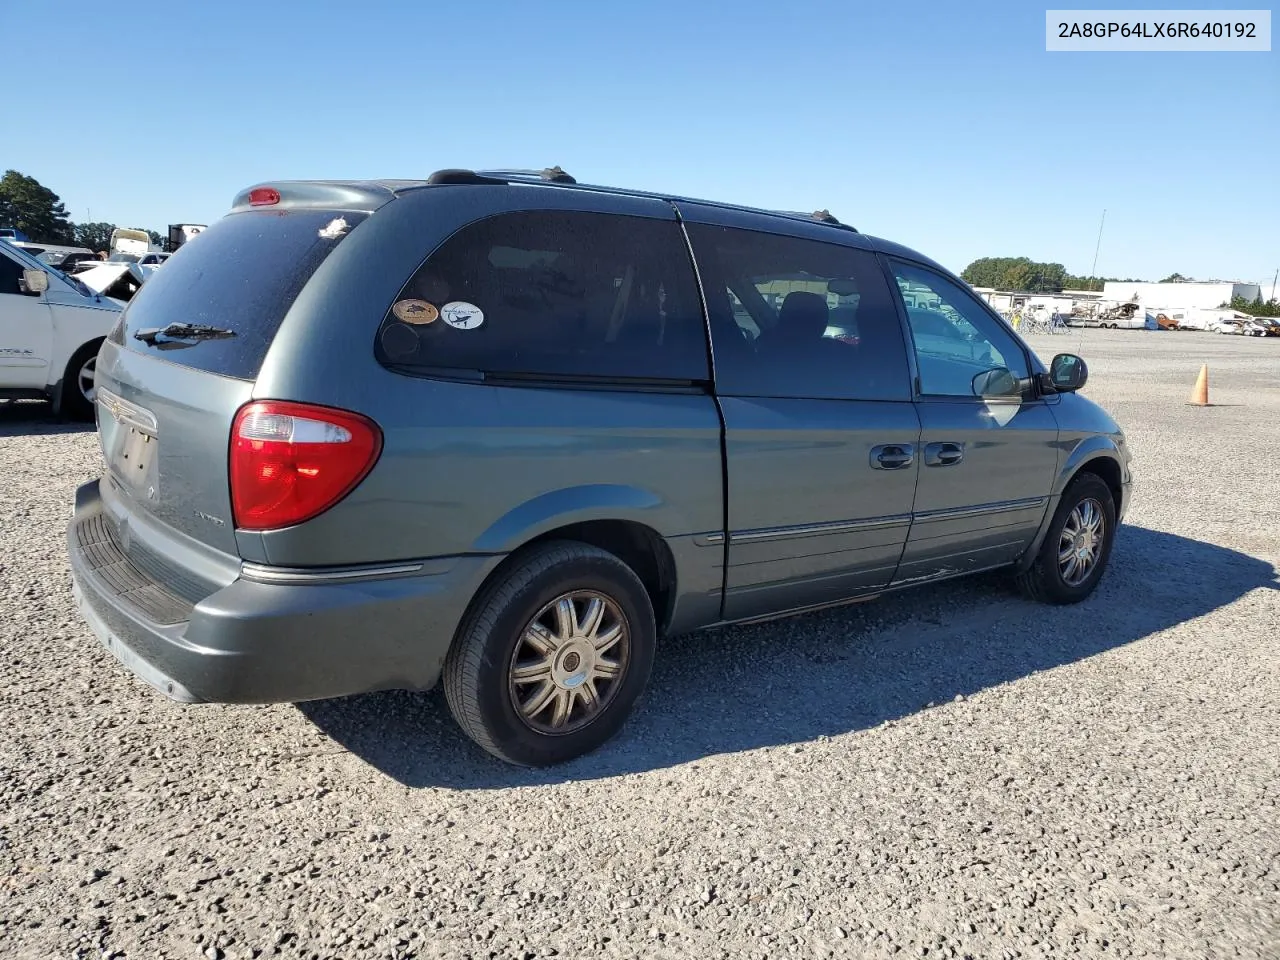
x: 947, y: 773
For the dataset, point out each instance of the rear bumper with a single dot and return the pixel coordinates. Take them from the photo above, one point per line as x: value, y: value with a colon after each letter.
x: 316, y: 634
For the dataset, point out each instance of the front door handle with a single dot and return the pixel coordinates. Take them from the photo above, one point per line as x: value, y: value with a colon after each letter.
x: 892, y: 456
x: 943, y: 454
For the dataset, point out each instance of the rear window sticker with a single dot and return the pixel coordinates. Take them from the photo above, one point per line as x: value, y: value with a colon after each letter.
x: 462, y: 315
x: 415, y: 311
x: 334, y: 229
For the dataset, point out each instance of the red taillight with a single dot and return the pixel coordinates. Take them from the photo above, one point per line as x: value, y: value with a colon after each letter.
x: 263, y: 196
x: 293, y: 461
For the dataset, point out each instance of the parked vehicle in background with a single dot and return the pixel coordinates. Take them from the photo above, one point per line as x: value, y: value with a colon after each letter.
x: 51, y: 326
x: 517, y: 428
x: 120, y: 281
x: 12, y: 233
x: 60, y: 258
x: 132, y: 246
x: 1243, y: 326
x: 1123, y: 316
x: 180, y: 233
x: 1270, y: 325
x: 1165, y: 322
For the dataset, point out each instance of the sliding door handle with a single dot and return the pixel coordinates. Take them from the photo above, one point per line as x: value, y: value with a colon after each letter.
x: 943, y: 454
x: 892, y: 456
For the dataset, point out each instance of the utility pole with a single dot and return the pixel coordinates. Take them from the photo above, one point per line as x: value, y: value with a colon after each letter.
x: 1093, y: 271
x: 1273, y: 284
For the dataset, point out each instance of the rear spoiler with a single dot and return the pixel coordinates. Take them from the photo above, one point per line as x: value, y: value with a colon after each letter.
x: 356, y: 195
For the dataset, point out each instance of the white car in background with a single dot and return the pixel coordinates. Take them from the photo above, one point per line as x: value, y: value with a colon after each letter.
x: 51, y: 326
x: 1239, y: 326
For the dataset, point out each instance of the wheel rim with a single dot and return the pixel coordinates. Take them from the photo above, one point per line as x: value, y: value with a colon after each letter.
x: 1080, y: 543
x: 87, y: 379
x: 569, y: 662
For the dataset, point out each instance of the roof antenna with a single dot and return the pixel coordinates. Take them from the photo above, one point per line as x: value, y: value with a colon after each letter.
x: 557, y: 175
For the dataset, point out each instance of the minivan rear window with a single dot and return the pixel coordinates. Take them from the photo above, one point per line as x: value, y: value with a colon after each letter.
x: 556, y: 295
x: 242, y: 275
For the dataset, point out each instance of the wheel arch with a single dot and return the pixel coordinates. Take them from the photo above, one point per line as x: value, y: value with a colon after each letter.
x: 57, y: 390
x: 622, y: 520
x: 1100, y: 456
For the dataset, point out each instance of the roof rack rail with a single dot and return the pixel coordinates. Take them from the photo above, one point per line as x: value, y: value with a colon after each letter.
x: 821, y: 216
x: 554, y: 174
x: 457, y: 175
x: 460, y: 176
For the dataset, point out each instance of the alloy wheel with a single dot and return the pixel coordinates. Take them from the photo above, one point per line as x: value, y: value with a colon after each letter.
x: 569, y: 662
x: 87, y: 379
x: 1080, y: 543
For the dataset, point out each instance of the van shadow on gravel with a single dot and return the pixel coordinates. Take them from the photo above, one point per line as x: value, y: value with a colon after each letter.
x: 32, y: 418
x: 793, y: 680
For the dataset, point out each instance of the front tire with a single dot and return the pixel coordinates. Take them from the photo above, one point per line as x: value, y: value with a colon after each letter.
x: 552, y: 656
x: 1077, y: 545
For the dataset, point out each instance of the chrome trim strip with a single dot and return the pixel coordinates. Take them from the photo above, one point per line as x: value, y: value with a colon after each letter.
x: 122, y: 411
x: 709, y: 540
x: 819, y: 529
x: 1004, y: 506
x: 293, y: 575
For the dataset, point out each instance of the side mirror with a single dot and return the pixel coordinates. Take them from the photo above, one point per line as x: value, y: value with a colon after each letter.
x: 1068, y: 373
x: 996, y: 383
x: 35, y: 282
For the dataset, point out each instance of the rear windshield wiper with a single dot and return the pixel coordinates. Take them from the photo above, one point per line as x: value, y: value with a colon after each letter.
x: 183, y: 331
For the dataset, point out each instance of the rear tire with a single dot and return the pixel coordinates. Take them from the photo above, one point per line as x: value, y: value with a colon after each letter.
x: 79, y: 383
x: 552, y: 656
x: 1084, y: 527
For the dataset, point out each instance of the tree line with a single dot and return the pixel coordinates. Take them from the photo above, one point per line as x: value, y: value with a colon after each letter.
x: 1024, y: 275
x: 28, y: 205
x: 1255, y: 308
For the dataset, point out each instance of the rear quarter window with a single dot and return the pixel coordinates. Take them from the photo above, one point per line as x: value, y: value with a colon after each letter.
x: 553, y: 295
x: 242, y: 274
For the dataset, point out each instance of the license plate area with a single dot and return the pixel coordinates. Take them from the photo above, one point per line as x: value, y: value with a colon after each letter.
x: 131, y: 447
x: 134, y: 461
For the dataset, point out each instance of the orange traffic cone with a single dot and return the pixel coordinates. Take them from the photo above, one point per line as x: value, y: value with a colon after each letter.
x: 1200, y: 392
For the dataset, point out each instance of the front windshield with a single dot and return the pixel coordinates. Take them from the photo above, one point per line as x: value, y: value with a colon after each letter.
x: 123, y: 258
x: 34, y: 263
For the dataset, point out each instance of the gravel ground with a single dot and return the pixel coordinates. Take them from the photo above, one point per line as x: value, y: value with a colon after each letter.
x: 952, y: 772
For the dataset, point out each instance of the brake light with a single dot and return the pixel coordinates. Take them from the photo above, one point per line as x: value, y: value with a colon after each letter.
x: 263, y: 196
x: 291, y: 462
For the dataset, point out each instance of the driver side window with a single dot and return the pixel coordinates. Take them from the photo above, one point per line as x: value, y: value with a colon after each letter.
x: 10, y: 274
x: 956, y: 340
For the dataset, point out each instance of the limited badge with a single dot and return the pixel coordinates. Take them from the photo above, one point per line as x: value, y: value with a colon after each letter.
x: 462, y: 315
x: 415, y: 311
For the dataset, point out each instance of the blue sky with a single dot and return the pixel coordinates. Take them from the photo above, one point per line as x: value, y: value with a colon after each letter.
x: 946, y: 127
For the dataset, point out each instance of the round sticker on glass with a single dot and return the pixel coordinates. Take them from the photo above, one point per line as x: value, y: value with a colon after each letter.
x: 462, y: 315
x: 415, y: 311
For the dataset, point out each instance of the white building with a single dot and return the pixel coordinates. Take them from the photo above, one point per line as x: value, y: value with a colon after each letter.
x: 1190, y: 294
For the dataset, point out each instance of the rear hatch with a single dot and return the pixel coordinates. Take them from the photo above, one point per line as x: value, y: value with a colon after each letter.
x: 186, y: 354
